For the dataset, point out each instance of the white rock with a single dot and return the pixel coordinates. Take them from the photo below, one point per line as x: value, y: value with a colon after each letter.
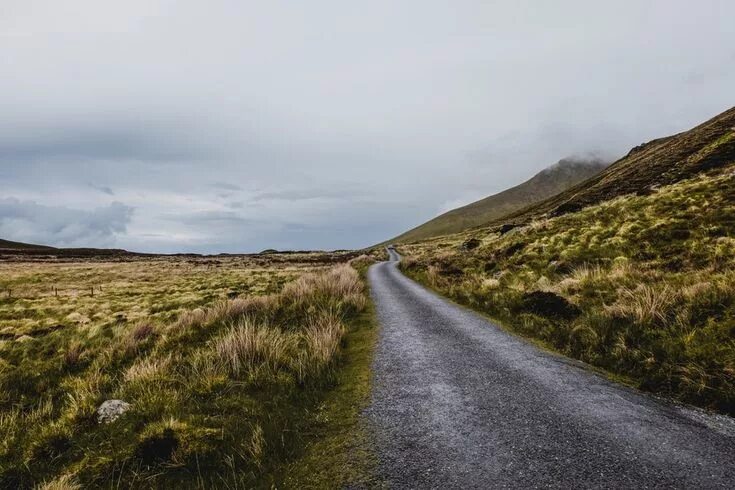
x: 111, y: 410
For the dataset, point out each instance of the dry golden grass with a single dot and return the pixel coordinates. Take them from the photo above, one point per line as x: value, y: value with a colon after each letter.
x: 321, y: 340
x: 95, y: 294
x: 249, y: 345
x: 647, y: 305
x: 212, y: 389
x: 64, y: 482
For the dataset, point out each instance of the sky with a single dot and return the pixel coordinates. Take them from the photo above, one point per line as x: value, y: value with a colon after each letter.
x: 236, y: 126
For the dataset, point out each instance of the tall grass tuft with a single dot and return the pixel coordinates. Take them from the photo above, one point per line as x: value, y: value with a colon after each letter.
x: 249, y: 345
x: 646, y: 305
x: 321, y: 340
x: 64, y: 482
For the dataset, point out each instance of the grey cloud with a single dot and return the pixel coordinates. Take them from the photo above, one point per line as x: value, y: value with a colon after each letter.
x: 355, y: 124
x: 63, y: 226
x: 305, y: 194
x: 227, y: 186
x: 103, y: 188
x: 200, y: 218
x: 104, y: 137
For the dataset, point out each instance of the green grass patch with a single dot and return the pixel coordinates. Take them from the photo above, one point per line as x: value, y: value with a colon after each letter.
x: 338, y: 452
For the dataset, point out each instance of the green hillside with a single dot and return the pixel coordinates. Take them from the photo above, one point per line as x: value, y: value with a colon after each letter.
x: 551, y: 181
x: 632, y: 271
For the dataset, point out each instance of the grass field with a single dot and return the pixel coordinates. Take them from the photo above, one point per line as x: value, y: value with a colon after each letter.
x: 642, y: 285
x: 229, y: 366
x: 37, y: 295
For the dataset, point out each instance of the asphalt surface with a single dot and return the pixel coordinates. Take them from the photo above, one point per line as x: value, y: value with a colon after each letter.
x: 459, y: 403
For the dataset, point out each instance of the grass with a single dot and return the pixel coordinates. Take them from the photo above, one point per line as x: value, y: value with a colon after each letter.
x: 36, y: 296
x: 642, y: 286
x: 338, y: 453
x: 223, y: 391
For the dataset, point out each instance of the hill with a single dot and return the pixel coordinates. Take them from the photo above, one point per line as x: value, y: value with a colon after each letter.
x: 8, y: 245
x: 549, y: 182
x: 646, y: 167
x: 28, y: 251
x: 632, y: 271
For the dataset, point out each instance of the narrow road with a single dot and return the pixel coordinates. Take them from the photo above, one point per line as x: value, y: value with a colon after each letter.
x: 459, y: 403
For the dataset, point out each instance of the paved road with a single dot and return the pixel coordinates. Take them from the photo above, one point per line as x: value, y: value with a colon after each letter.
x: 458, y: 403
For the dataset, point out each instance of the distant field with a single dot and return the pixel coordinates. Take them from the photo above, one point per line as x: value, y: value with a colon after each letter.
x: 35, y: 296
x: 229, y: 366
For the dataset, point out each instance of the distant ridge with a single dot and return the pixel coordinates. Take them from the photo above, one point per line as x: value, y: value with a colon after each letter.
x: 550, y: 181
x: 9, y: 245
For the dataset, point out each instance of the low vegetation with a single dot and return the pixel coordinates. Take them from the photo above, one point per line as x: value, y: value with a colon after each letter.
x: 223, y: 367
x: 38, y: 295
x: 641, y: 285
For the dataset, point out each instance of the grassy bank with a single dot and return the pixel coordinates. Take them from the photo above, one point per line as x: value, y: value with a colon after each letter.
x: 642, y: 286
x: 338, y: 452
x: 225, y: 395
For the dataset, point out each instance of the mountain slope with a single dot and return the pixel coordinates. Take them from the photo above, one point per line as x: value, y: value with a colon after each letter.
x: 660, y: 162
x: 557, y: 178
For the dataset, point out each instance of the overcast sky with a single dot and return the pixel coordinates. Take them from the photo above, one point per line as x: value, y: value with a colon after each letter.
x: 236, y: 126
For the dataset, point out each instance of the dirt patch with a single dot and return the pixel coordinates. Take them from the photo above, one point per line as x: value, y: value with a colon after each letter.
x: 548, y: 304
x: 470, y: 244
x: 159, y: 448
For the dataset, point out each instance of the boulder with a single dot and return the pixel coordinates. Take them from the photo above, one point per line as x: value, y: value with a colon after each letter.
x: 111, y: 410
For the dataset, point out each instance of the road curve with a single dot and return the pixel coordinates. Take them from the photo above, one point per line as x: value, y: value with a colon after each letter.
x: 459, y: 403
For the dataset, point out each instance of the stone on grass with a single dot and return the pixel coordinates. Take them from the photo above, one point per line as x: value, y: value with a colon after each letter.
x: 111, y: 410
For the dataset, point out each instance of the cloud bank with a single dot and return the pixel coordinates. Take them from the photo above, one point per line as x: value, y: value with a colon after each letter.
x: 29, y: 221
x: 240, y: 126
